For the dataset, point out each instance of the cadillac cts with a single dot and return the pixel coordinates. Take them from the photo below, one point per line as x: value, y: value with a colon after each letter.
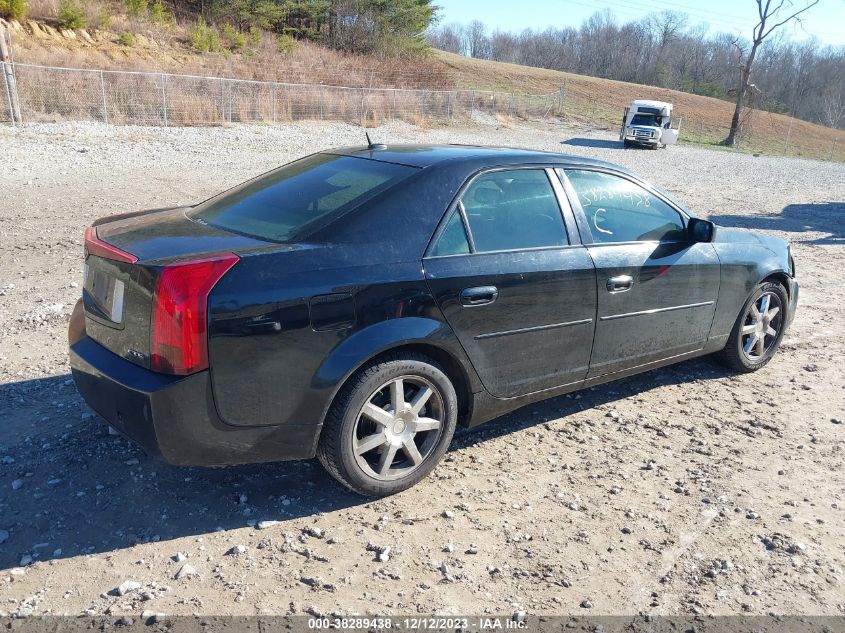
x: 358, y: 303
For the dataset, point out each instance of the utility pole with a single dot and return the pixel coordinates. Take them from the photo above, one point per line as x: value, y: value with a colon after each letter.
x: 9, y: 76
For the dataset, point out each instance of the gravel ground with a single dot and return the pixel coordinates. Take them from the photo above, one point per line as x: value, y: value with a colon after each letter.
x: 684, y: 490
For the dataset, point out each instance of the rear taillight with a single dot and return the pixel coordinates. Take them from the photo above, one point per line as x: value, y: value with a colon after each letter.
x: 95, y: 246
x: 178, y: 342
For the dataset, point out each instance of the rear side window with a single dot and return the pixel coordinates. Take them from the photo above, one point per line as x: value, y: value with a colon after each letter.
x: 294, y: 200
x: 453, y: 240
x: 516, y: 209
x: 619, y: 210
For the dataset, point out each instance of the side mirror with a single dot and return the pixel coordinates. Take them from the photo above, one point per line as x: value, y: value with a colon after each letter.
x: 701, y: 230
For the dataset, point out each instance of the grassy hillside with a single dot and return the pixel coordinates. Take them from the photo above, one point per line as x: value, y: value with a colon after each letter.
x: 167, y: 48
x: 588, y: 101
x: 600, y: 102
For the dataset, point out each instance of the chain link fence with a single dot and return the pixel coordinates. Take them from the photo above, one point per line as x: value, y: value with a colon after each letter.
x: 142, y: 98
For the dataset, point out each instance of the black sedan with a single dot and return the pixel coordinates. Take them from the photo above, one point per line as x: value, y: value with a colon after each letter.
x: 358, y: 303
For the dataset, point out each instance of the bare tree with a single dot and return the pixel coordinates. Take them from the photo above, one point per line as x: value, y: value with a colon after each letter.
x: 667, y: 27
x: 833, y: 108
x: 476, y: 42
x: 762, y: 30
x: 447, y: 37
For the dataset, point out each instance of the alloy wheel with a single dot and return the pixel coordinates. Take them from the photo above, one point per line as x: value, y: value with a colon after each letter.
x: 398, y: 427
x: 761, y: 326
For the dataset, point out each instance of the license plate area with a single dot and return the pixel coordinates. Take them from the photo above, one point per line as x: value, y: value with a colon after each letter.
x: 103, y: 295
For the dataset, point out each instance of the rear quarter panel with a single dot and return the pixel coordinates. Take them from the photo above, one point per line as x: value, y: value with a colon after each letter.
x: 271, y: 365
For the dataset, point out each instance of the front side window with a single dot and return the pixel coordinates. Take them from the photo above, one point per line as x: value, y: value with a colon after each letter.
x: 619, y: 210
x: 516, y: 209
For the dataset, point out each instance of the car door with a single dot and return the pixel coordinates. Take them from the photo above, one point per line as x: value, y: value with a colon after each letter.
x: 656, y: 289
x: 513, y: 281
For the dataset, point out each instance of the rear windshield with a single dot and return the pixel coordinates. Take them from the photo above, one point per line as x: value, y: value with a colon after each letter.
x: 297, y: 199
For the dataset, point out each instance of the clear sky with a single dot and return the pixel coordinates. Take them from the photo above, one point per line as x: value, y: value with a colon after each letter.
x: 826, y: 20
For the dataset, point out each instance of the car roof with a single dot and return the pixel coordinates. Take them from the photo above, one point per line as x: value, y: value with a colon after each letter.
x: 650, y: 103
x: 474, y: 155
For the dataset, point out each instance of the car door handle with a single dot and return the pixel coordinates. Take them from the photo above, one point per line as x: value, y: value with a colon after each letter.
x: 620, y: 284
x: 479, y: 296
x: 262, y: 327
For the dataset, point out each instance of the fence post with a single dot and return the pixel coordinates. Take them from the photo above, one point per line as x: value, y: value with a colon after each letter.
x: 10, y: 80
x: 8, y: 95
x: 321, y: 102
x: 164, y: 98
x: 222, y: 102
x: 103, y: 92
x: 274, y: 104
x: 788, y: 134
x: 472, y: 104
x: 393, y: 106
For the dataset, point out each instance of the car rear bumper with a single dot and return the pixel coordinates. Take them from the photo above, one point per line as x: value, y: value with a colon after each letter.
x: 174, y: 417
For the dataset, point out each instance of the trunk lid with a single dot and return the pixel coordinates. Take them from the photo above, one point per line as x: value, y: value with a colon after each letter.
x: 118, y: 295
x: 163, y: 235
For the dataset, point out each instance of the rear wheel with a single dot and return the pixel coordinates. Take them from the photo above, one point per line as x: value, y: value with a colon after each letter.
x: 758, y: 330
x: 389, y: 426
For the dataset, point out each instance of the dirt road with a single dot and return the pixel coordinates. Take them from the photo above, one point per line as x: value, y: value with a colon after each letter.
x: 683, y: 490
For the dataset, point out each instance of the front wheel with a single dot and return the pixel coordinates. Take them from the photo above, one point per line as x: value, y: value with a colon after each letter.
x: 389, y: 426
x: 758, y: 330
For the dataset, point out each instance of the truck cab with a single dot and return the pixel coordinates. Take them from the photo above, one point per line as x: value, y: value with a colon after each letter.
x: 648, y: 124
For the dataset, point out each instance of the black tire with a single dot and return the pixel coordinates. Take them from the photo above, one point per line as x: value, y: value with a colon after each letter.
x: 626, y: 144
x: 339, y: 437
x: 733, y: 355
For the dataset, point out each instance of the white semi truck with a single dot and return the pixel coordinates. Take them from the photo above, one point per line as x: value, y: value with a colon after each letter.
x: 649, y: 124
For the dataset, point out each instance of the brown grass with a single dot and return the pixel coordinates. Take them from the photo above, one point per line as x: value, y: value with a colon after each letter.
x: 43, y: 9
x: 505, y: 120
x: 165, y: 49
x: 371, y: 119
